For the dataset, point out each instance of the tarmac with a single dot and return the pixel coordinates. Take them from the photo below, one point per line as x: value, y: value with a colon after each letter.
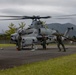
x: 10, y: 57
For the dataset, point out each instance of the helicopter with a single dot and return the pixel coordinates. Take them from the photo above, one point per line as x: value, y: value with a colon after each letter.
x: 34, y: 33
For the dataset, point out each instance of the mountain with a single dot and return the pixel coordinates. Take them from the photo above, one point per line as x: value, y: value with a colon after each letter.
x: 63, y: 27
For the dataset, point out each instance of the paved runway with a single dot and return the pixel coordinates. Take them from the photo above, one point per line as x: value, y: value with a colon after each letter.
x: 10, y: 57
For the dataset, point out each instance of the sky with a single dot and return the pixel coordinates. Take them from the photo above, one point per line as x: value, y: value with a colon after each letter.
x: 54, y: 8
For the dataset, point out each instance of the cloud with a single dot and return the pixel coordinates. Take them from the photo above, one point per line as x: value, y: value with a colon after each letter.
x: 38, y: 7
x: 40, y: 2
x: 33, y: 9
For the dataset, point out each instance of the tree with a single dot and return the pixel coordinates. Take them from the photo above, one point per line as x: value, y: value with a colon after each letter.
x: 44, y: 24
x: 12, y: 29
x: 22, y: 25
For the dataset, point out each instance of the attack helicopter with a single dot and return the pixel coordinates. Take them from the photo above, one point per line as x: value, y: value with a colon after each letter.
x: 34, y: 33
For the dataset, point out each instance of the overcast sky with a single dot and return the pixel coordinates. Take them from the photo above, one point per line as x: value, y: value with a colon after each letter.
x: 52, y: 8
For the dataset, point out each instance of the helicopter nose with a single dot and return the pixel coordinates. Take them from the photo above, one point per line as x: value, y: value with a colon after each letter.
x: 12, y: 38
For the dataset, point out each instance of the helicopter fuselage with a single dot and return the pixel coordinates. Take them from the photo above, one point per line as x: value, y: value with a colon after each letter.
x: 33, y: 35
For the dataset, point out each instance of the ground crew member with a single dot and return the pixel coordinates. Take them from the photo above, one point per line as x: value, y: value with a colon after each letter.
x: 60, y: 42
x: 19, y: 41
x: 44, y: 41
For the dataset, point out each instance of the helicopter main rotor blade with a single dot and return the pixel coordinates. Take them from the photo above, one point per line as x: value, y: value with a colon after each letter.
x: 10, y: 19
x: 14, y: 17
x: 21, y: 17
x: 35, y: 17
x: 9, y: 16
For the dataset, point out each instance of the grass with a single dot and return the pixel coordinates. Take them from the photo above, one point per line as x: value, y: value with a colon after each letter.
x: 65, y: 65
x: 6, y: 45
